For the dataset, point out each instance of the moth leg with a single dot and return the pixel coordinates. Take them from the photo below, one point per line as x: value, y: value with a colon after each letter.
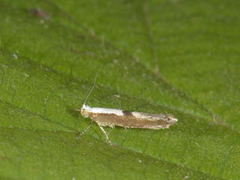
x: 84, y: 130
x: 105, y: 133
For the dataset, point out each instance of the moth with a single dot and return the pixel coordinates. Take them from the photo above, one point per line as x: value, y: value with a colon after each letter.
x: 116, y: 117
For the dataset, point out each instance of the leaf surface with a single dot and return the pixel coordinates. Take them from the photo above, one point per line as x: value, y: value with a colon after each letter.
x: 177, y: 57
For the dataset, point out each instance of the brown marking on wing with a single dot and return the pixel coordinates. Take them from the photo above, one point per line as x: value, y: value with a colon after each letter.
x: 127, y: 113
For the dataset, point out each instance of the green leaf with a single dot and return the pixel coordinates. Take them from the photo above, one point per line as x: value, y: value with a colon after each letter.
x: 178, y: 57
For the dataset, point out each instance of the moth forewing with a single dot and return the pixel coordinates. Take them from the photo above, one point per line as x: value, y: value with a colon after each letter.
x: 126, y: 119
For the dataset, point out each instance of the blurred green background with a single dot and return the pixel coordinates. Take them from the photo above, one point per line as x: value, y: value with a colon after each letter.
x: 158, y: 56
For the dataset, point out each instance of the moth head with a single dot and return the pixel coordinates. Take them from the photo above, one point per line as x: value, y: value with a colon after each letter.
x: 85, y: 111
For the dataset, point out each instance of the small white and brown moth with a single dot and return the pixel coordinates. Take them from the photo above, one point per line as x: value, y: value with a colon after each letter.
x: 126, y: 119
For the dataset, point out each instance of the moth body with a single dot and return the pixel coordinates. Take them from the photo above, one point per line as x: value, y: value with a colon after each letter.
x: 127, y: 119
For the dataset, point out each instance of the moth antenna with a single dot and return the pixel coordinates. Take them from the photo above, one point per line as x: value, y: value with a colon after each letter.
x: 90, y: 92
